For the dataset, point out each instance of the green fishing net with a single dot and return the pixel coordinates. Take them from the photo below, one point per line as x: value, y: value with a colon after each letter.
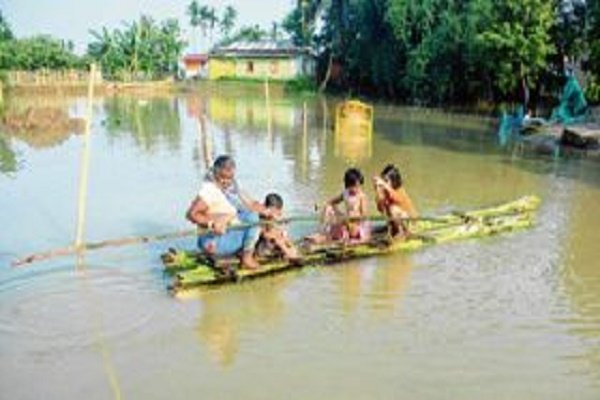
x: 573, y: 106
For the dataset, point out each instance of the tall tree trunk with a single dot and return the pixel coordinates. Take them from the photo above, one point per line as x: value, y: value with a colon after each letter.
x: 327, y: 74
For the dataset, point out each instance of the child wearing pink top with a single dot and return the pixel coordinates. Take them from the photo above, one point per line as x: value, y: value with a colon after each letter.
x: 343, y: 215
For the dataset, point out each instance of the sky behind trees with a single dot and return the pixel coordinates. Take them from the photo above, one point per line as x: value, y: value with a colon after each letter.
x: 72, y: 19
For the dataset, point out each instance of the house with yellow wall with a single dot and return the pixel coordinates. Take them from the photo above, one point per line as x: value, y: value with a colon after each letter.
x: 273, y: 59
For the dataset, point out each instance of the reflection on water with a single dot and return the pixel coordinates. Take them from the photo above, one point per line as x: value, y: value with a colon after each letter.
x: 390, y: 283
x: 41, y: 122
x: 148, y: 121
x: 377, y: 285
x: 581, y: 273
x: 229, y: 314
x: 353, y: 131
x: 8, y: 158
x: 518, y: 315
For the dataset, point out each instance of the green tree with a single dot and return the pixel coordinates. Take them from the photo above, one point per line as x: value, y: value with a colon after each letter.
x: 569, y: 32
x: 293, y: 26
x: 193, y: 11
x: 418, y: 27
x: 251, y: 33
x: 441, y: 51
x: 373, y: 57
x: 274, y: 34
x: 228, y: 21
x: 335, y: 36
x: 436, y: 42
x: 516, y: 44
x: 592, y: 35
x: 150, y: 125
x: 8, y: 158
x: 36, y: 53
x: 105, y: 49
x: 142, y: 49
x: 211, y: 22
x: 5, y: 31
x: 299, y: 23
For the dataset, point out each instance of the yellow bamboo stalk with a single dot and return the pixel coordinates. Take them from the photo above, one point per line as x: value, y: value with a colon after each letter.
x: 304, y: 119
x: 304, y: 140
x: 85, y: 162
x: 268, y: 107
x: 205, y: 145
x: 205, y: 142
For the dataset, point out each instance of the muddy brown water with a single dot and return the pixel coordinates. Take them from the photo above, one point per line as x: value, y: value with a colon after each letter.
x: 516, y: 316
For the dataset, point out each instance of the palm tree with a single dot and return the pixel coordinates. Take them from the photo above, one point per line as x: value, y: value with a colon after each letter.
x: 171, y: 45
x: 211, y: 22
x: 228, y: 20
x: 194, y: 11
x: 274, y: 31
x: 104, y: 49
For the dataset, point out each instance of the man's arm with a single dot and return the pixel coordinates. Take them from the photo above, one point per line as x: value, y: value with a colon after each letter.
x: 197, y: 213
x: 255, y: 206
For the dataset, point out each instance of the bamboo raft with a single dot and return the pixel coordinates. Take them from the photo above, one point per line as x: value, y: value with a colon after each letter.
x: 191, y: 269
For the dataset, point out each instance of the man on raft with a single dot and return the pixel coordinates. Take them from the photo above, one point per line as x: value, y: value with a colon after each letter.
x: 220, y: 205
x: 229, y: 221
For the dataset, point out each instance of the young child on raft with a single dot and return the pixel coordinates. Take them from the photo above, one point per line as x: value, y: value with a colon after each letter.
x: 273, y: 238
x: 393, y: 201
x: 346, y: 223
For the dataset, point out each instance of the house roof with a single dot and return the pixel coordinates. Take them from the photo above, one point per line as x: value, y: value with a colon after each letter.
x: 194, y: 58
x: 261, y: 48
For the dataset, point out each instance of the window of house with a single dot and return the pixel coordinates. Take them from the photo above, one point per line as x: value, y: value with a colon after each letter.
x: 250, y: 67
x: 274, y: 68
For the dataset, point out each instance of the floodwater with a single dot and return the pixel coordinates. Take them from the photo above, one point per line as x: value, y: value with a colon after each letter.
x: 516, y: 316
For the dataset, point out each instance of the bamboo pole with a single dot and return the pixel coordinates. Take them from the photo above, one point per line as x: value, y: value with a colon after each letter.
x: 70, y: 250
x: 205, y: 138
x: 119, y: 242
x: 85, y: 162
x: 325, y: 116
x: 523, y: 206
x: 268, y: 107
x: 79, y: 247
x: 457, y: 218
x: 304, y: 141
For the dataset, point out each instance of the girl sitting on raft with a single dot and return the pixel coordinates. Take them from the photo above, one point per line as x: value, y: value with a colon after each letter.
x: 393, y: 201
x: 346, y: 224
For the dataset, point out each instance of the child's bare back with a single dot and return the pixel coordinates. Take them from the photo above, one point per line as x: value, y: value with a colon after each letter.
x: 274, y: 239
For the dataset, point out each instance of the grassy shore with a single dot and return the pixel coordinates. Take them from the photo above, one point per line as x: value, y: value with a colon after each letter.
x: 252, y: 86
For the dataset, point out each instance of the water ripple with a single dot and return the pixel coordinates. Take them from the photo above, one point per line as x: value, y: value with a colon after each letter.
x: 61, y: 309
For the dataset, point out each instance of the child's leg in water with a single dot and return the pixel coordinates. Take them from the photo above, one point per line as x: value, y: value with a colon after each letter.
x: 398, y: 223
x: 327, y: 230
x: 288, y: 249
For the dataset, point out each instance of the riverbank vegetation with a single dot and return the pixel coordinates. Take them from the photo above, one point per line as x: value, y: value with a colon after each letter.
x: 37, y: 52
x: 449, y: 51
x: 434, y: 52
x: 140, y: 50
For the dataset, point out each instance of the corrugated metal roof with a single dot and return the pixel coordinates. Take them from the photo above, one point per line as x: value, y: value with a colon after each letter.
x: 261, y: 48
